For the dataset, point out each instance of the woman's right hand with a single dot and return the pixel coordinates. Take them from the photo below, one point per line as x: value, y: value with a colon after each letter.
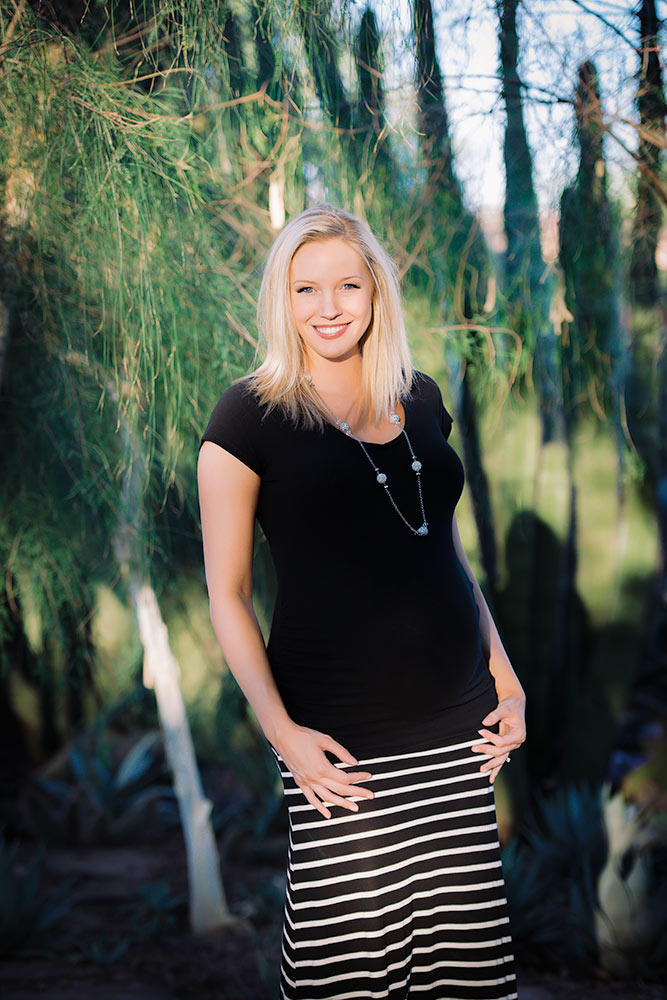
x: 302, y: 749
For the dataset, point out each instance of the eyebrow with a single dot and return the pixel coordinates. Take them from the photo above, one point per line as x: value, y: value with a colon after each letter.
x: 309, y: 281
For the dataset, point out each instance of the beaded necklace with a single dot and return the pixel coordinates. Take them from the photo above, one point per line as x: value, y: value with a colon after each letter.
x: 380, y: 476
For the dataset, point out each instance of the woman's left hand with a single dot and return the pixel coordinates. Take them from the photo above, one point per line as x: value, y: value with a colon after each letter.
x: 510, y: 714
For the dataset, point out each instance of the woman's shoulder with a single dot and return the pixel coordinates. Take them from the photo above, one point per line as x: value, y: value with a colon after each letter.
x: 234, y: 424
x: 425, y: 387
x: 238, y: 397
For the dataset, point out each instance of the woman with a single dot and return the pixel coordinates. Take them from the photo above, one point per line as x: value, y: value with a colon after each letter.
x: 384, y: 682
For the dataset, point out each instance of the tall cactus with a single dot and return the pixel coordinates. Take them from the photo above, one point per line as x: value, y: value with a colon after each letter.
x: 591, y: 345
x: 646, y: 393
x: 460, y: 261
x: 651, y: 195
x: 526, y: 289
x: 381, y: 179
x: 458, y: 251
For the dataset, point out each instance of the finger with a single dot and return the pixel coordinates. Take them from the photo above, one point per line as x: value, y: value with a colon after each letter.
x: 354, y: 776
x: 343, y: 789
x: 497, y: 761
x: 494, y: 774
x: 342, y: 775
x: 351, y: 778
x: 335, y: 800
x: 314, y: 801
x: 330, y: 744
x: 498, y: 739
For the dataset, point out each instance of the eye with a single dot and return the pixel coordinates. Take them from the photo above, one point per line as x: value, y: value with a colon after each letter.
x: 305, y: 288
x: 350, y: 284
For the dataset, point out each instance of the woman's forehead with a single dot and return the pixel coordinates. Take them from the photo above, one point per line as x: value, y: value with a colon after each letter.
x: 325, y: 256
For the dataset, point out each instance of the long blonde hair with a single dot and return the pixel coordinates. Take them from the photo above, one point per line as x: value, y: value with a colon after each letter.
x: 386, y: 364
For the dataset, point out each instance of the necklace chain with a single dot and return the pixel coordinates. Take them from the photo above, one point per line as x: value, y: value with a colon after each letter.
x: 380, y: 476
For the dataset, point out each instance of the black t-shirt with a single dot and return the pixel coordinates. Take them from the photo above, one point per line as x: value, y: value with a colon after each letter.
x: 375, y: 634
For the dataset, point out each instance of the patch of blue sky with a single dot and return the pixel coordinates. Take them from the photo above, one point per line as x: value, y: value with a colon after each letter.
x: 555, y: 37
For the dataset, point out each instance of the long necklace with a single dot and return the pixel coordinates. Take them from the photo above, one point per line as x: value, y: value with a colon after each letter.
x: 380, y: 476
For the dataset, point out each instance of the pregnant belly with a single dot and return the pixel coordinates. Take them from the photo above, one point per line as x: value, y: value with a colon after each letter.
x: 408, y: 656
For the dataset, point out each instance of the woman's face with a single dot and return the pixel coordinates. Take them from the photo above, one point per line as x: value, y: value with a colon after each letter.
x: 331, y: 291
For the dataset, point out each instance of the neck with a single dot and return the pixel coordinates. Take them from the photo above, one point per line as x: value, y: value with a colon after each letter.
x: 341, y: 377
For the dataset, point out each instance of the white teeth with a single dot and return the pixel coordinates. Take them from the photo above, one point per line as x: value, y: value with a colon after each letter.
x: 331, y: 329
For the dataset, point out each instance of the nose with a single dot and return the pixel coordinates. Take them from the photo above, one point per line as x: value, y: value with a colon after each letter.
x: 329, y: 307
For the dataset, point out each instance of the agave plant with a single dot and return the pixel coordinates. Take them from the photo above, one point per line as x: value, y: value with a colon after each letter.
x: 632, y: 890
x: 26, y: 913
x: 93, y: 799
x: 556, y: 857
x: 599, y: 862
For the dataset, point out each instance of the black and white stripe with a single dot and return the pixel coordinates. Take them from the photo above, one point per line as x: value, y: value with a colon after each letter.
x: 405, y: 897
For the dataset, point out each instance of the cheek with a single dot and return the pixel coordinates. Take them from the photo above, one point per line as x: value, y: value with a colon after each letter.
x: 299, y: 307
x: 365, y: 305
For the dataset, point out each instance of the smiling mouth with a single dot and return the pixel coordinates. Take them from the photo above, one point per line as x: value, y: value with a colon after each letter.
x: 331, y: 331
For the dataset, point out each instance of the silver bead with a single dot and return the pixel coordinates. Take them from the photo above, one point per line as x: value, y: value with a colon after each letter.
x: 423, y: 530
x: 416, y: 465
x: 381, y: 478
x: 345, y: 428
x: 395, y: 419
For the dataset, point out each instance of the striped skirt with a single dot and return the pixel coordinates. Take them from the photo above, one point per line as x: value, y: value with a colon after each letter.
x: 404, y: 897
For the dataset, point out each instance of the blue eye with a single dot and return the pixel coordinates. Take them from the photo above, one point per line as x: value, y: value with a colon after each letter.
x: 309, y: 288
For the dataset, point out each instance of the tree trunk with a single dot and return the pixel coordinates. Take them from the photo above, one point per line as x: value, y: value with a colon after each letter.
x: 208, y: 907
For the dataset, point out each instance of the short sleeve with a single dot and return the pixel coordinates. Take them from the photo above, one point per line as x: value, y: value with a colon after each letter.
x: 234, y: 425
x: 445, y: 418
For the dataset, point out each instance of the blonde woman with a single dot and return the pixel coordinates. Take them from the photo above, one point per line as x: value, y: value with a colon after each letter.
x: 384, y: 690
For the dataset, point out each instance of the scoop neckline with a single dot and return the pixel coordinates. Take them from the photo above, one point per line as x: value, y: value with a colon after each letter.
x: 375, y: 444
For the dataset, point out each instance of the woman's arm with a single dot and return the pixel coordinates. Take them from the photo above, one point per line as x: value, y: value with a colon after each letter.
x: 228, y: 492
x: 510, y: 712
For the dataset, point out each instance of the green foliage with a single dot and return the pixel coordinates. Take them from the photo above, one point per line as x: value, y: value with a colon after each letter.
x: 600, y: 864
x: 101, y: 795
x: 106, y: 950
x: 26, y: 912
x: 557, y: 855
x: 592, y: 345
x: 156, y: 912
x: 632, y: 891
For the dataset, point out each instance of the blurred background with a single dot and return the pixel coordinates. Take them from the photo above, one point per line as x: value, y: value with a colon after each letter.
x: 510, y: 155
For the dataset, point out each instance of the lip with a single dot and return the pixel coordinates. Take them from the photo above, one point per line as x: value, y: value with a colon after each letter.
x: 332, y: 336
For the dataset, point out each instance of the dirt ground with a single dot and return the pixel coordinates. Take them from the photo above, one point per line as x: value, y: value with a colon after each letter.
x: 126, y: 935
